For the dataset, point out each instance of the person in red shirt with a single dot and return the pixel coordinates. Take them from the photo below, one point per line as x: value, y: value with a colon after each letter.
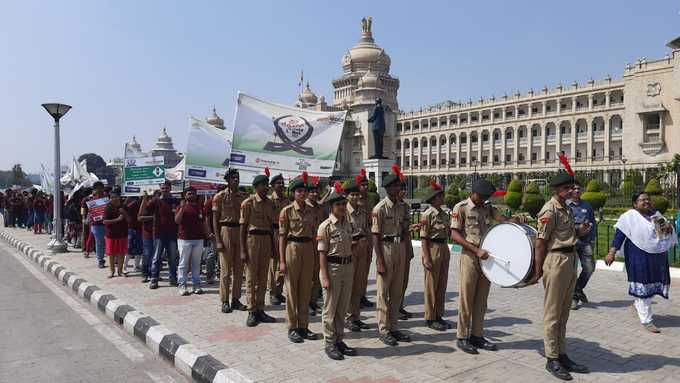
x: 39, y: 209
x: 135, y: 246
x: 146, y: 220
x: 193, y: 229
x: 115, y: 233
x: 163, y: 210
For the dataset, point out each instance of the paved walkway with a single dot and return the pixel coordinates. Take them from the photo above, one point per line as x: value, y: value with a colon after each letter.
x: 604, y: 334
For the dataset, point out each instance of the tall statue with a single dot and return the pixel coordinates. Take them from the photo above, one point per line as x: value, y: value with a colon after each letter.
x: 366, y: 24
x: 378, y: 127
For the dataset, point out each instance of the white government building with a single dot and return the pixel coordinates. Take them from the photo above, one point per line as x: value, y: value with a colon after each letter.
x: 611, y: 124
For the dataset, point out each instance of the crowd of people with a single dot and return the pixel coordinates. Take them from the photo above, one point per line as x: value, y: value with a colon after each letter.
x: 302, y: 247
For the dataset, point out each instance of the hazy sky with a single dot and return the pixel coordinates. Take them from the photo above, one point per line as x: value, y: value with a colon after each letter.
x: 131, y: 67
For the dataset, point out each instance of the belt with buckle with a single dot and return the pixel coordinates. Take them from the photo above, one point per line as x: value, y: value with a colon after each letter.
x: 339, y: 260
x: 566, y: 249
x: 230, y: 224
x: 259, y: 232
x: 275, y: 226
x: 391, y: 238
x: 293, y: 238
x: 437, y: 240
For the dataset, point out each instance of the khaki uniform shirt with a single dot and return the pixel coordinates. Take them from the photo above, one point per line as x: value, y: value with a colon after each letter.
x: 434, y: 224
x: 226, y: 205
x: 295, y: 221
x: 473, y: 221
x: 388, y: 218
x: 280, y: 201
x: 335, y: 237
x: 319, y: 213
x: 258, y: 213
x: 556, y: 225
x: 359, y: 219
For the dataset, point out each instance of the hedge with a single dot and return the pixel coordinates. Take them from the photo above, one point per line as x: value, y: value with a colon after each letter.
x: 532, y: 201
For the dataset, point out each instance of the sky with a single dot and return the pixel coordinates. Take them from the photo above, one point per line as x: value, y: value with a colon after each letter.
x: 131, y: 67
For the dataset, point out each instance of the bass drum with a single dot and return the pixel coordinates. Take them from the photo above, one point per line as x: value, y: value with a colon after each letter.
x: 511, y: 254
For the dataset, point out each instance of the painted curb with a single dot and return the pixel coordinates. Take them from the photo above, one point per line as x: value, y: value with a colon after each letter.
x: 187, y: 358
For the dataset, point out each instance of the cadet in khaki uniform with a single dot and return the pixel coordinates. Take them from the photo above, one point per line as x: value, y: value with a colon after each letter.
x: 313, y: 204
x: 297, y: 229
x: 257, y: 220
x: 367, y: 205
x: 226, y: 207
x: 361, y: 258
x: 389, y: 231
x: 434, y: 235
x: 335, y: 251
x: 555, y: 260
x: 275, y: 277
x: 470, y: 219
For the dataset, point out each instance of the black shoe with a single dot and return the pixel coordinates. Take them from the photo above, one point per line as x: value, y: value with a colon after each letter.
x: 345, y: 349
x: 153, y: 285
x: 226, y: 308
x: 435, y: 325
x: 173, y: 282
x: 312, y: 310
x: 295, y: 336
x: 102, y: 265
x: 400, y: 336
x: 365, y: 303
x: 308, y: 335
x: 582, y: 296
x: 555, y: 368
x: 388, y: 339
x: 363, y: 325
x: 276, y: 300
x: 480, y: 342
x: 353, y: 326
x: 237, y: 305
x: 447, y: 324
x: 145, y: 279
x: 252, y: 320
x: 572, y: 366
x: 332, y: 352
x: 264, y: 318
x: 404, y: 315
x: 465, y: 346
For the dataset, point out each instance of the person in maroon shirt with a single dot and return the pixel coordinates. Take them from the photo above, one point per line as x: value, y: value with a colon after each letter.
x: 146, y: 220
x: 193, y: 229
x: 96, y: 227
x: 115, y: 233
x: 163, y: 209
x: 39, y: 209
x: 135, y: 247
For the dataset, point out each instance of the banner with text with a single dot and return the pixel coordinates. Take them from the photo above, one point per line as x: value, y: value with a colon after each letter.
x: 208, y: 150
x: 288, y: 140
x: 141, y: 172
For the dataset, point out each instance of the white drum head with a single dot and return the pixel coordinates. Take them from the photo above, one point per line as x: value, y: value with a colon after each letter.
x: 507, y: 242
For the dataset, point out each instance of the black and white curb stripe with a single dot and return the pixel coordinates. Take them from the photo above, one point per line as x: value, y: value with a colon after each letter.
x: 188, y: 359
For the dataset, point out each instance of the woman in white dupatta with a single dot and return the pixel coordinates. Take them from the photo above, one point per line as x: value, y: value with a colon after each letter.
x: 645, y: 237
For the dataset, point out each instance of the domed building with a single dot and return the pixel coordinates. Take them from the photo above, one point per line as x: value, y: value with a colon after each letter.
x: 165, y: 148
x: 215, y: 120
x: 307, y: 99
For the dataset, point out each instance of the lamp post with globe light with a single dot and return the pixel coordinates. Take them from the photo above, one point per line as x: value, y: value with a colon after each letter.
x: 57, y: 111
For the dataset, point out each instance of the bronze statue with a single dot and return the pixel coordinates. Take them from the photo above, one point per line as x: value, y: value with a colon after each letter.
x: 378, y: 127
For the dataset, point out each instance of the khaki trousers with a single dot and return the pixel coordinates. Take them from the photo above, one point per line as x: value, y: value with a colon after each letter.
x: 337, y: 301
x: 361, y: 259
x: 231, y: 265
x: 390, y: 286
x: 298, y: 279
x: 474, y: 291
x: 275, y: 276
x: 559, y: 280
x: 435, y: 281
x: 316, y: 283
x: 259, y: 255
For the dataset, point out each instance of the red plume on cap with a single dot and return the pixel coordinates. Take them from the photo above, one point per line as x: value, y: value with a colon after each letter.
x: 362, y: 173
x: 315, y: 180
x: 565, y: 162
x: 305, y: 177
x: 338, y: 187
x: 266, y: 171
x: 434, y: 185
x: 395, y: 169
x: 358, y: 179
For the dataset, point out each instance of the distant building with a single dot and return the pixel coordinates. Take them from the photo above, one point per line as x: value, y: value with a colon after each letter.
x: 165, y: 148
x: 215, y: 120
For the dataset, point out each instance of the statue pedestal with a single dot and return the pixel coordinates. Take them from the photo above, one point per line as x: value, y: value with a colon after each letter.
x: 377, y: 169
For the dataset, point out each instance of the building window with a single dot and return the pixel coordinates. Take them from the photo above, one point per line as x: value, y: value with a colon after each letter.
x: 443, y: 161
x: 463, y: 140
x: 563, y: 129
x: 473, y: 139
x: 594, y: 153
x: 463, y: 160
x: 578, y: 154
x: 547, y: 155
x: 521, y: 156
x: 508, y: 158
x: 533, y: 156
x: 521, y: 133
x: 496, y: 136
x: 495, y: 158
x: 496, y: 115
x: 651, y: 125
x: 453, y: 161
x: 485, y: 159
x: 508, y: 135
x: 548, y: 108
x: 534, y: 110
x: 563, y: 106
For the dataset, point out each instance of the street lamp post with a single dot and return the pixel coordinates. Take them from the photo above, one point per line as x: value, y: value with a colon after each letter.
x: 57, y: 111
x: 475, y: 163
x: 623, y: 174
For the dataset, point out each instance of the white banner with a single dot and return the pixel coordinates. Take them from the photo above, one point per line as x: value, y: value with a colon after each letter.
x: 208, y: 150
x: 141, y: 172
x: 288, y: 140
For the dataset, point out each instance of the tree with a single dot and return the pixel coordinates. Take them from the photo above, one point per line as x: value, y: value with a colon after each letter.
x: 594, y: 196
x: 18, y: 175
x: 513, y: 197
x: 533, y: 200
x: 659, y: 202
x: 452, y: 196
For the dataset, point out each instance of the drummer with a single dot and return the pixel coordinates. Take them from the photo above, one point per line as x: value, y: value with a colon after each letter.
x: 470, y: 220
x: 555, y: 261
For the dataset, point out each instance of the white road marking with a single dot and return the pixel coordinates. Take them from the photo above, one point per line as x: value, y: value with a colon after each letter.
x: 123, y: 346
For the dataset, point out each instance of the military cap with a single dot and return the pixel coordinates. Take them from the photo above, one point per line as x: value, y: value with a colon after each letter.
x: 276, y: 178
x: 299, y: 182
x: 353, y: 185
x: 260, y: 178
x: 361, y: 178
x: 230, y: 172
x: 338, y: 194
x: 436, y: 189
x: 562, y: 178
x: 483, y: 188
x: 393, y: 177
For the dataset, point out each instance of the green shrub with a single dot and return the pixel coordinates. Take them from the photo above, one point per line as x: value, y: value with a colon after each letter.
x: 653, y: 187
x: 515, y: 186
x: 627, y: 187
x: 593, y: 186
x: 513, y: 197
x: 594, y: 196
x: 660, y: 203
x: 533, y: 200
x: 452, y: 196
x: 371, y: 187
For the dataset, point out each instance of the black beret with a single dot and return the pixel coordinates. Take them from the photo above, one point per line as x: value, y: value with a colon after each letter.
x: 433, y: 194
x: 260, y: 178
x: 562, y: 178
x: 276, y: 178
x: 390, y: 179
x: 297, y: 183
x: 229, y: 172
x: 483, y: 187
x: 352, y: 187
x: 336, y: 197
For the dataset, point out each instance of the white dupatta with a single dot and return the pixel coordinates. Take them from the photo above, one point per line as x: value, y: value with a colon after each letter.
x: 643, y: 233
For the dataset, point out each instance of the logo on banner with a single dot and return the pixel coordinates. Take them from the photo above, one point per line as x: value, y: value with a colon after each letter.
x: 293, y: 131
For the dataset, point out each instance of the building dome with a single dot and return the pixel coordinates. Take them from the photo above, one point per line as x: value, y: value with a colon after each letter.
x: 369, y: 80
x: 215, y: 120
x: 134, y: 145
x: 366, y: 53
x: 307, y: 97
x: 164, y: 142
